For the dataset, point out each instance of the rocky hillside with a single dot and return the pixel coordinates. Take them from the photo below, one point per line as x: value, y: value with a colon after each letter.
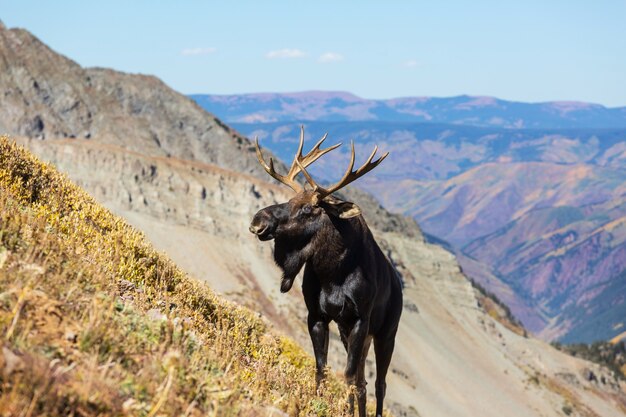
x: 486, y: 191
x: 46, y: 95
x: 450, y: 350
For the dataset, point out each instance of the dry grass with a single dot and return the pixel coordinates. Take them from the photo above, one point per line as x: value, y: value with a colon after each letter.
x: 95, y: 322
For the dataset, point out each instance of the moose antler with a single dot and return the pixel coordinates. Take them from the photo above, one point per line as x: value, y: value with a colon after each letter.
x: 299, y: 161
x: 348, y: 177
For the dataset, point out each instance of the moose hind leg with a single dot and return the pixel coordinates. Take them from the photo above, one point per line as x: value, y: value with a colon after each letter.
x: 383, y: 350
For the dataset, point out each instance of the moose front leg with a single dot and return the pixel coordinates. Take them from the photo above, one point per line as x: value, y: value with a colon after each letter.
x: 356, y: 346
x: 361, y: 383
x: 318, y: 330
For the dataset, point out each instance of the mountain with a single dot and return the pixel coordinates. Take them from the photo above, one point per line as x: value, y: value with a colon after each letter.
x: 465, y: 110
x: 432, y: 151
x: 557, y: 243
x: 450, y: 349
x: 46, y: 95
x: 469, y: 184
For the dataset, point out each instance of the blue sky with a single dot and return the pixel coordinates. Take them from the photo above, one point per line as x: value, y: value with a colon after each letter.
x: 525, y: 51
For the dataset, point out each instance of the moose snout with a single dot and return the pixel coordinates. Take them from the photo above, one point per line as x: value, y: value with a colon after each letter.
x: 262, y: 225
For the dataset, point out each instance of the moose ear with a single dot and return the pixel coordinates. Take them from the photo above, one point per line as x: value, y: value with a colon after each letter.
x: 340, y: 208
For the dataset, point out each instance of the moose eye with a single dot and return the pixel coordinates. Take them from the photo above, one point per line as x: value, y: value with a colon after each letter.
x: 306, y: 209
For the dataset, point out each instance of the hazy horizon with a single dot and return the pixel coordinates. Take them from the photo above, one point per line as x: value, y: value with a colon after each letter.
x: 251, y: 93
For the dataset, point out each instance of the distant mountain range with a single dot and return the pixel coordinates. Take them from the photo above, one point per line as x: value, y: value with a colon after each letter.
x: 537, y: 215
x: 465, y: 110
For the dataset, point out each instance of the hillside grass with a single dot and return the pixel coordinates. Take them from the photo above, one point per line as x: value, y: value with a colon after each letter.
x: 94, y: 321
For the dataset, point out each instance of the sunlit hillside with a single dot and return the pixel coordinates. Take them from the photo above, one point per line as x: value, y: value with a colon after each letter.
x: 94, y: 321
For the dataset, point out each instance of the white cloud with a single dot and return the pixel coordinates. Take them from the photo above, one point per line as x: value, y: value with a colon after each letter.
x: 285, y: 53
x: 197, y: 51
x: 411, y: 63
x: 330, y: 57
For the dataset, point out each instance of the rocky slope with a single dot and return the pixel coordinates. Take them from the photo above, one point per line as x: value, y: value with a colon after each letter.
x: 452, y: 358
x: 46, y: 95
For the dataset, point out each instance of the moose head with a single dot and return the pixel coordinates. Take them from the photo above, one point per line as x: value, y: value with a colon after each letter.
x: 300, y: 226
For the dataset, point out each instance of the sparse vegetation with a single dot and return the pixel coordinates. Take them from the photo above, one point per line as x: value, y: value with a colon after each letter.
x: 572, y: 402
x: 95, y: 322
x: 611, y: 355
x: 567, y: 409
x: 498, y: 310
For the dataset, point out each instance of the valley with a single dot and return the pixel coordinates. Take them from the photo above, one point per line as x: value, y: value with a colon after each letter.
x: 541, y: 209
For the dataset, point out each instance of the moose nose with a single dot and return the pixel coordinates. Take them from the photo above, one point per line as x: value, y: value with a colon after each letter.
x: 263, y: 224
x: 257, y: 229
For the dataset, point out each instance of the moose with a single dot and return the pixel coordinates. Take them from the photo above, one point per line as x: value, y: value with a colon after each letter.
x: 347, y: 278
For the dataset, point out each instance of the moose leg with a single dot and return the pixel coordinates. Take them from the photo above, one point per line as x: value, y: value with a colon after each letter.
x: 318, y: 330
x: 383, y: 350
x: 356, y: 342
x: 361, y: 383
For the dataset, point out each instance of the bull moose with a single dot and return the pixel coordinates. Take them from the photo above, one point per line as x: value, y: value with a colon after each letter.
x: 347, y: 278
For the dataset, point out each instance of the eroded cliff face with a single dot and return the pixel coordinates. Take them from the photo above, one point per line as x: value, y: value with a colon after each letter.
x: 452, y: 359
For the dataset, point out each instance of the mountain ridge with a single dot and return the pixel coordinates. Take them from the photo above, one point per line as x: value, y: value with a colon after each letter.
x: 347, y: 95
x: 463, y: 109
x: 49, y: 95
